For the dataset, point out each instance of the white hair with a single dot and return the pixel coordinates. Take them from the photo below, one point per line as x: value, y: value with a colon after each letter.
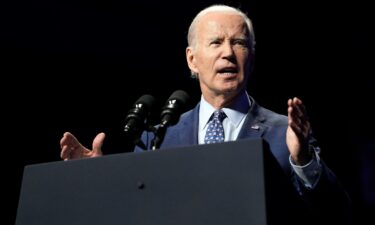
x: 219, y: 8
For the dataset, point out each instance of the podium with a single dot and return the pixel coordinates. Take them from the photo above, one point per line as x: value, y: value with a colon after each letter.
x: 216, y: 184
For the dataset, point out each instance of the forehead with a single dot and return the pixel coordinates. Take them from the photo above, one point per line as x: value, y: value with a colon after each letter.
x: 222, y: 23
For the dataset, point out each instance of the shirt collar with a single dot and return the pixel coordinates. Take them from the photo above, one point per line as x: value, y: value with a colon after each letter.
x: 235, y: 112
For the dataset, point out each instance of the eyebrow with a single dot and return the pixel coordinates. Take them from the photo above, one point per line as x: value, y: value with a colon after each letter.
x: 214, y: 38
x: 244, y: 38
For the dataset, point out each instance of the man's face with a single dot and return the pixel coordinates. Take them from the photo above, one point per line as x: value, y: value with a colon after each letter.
x: 221, y: 55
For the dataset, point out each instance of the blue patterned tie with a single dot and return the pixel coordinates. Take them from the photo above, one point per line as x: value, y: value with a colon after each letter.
x: 215, y: 130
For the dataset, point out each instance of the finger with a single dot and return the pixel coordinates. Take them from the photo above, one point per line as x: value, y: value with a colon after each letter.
x: 302, y: 130
x: 297, y: 110
x: 294, y: 107
x: 98, y: 143
x: 296, y: 100
x: 294, y: 115
x: 64, y: 139
x: 299, y: 131
x: 298, y: 104
x: 290, y: 102
x: 70, y: 140
x: 65, y: 152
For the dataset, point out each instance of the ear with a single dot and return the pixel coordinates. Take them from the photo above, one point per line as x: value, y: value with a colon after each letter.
x: 190, y: 58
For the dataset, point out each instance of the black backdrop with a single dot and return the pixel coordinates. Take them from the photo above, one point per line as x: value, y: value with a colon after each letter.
x: 79, y: 66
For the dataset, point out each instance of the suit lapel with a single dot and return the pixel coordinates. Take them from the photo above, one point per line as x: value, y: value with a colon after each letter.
x: 188, y: 130
x: 253, y: 126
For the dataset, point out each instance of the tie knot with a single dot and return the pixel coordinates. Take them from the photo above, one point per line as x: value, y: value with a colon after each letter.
x: 220, y: 115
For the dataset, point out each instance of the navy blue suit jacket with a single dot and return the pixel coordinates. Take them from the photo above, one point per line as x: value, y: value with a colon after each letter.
x: 259, y: 123
x: 263, y: 123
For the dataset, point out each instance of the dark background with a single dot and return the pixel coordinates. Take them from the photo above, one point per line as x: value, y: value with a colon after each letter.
x: 80, y: 65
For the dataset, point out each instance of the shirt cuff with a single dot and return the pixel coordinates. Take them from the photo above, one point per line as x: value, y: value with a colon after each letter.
x: 309, y: 173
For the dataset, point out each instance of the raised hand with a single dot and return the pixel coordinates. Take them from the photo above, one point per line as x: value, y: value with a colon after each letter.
x: 71, y: 148
x: 298, y: 132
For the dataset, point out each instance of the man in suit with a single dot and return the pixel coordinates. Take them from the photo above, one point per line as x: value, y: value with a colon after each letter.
x: 220, y: 54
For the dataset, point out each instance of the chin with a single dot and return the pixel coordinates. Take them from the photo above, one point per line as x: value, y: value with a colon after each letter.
x: 231, y: 87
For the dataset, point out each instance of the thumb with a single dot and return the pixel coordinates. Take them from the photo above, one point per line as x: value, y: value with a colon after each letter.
x: 97, y: 144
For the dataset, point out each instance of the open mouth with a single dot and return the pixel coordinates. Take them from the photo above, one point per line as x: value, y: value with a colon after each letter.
x: 230, y: 71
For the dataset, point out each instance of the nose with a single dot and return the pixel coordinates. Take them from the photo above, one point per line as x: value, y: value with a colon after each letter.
x: 228, y: 52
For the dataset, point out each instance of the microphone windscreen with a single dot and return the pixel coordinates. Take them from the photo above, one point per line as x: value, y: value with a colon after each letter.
x: 147, y: 100
x: 181, y: 96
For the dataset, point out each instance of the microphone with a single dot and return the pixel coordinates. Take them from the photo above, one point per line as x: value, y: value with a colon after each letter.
x: 173, y: 108
x: 170, y: 115
x: 136, y: 119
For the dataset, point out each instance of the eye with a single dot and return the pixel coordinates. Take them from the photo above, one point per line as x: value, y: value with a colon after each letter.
x: 241, y: 42
x: 215, y: 42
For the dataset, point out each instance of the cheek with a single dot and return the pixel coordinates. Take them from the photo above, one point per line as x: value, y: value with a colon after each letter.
x: 243, y: 56
x: 206, y: 59
x: 205, y: 64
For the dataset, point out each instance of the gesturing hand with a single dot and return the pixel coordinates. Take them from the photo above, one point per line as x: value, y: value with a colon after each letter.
x: 71, y: 148
x: 298, y: 132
